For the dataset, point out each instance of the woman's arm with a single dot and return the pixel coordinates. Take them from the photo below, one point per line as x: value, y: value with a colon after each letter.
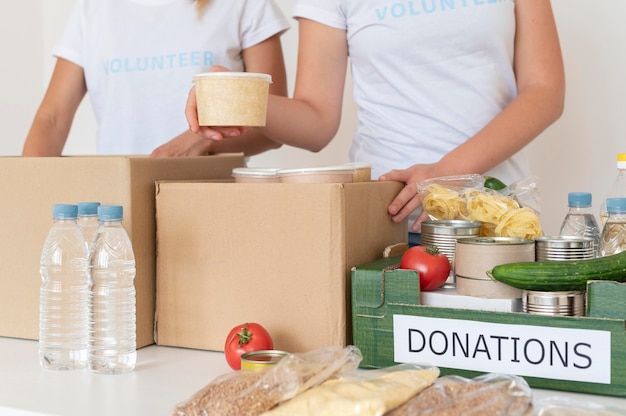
x: 540, y: 80
x: 53, y: 120
x: 265, y: 57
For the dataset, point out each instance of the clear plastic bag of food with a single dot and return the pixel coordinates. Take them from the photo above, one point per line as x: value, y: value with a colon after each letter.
x: 489, y: 394
x: 509, y: 212
x: 367, y: 393
x: 561, y: 406
x: 252, y: 393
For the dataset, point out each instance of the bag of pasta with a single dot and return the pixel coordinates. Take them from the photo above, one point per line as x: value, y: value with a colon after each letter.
x: 512, y: 211
x: 370, y: 393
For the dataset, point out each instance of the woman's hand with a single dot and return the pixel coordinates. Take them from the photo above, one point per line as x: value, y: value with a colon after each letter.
x: 408, y: 200
x: 185, y: 144
x: 213, y: 132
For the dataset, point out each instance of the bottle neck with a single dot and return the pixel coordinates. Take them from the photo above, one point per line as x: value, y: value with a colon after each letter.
x: 64, y: 220
x: 579, y: 209
x: 616, y: 217
x: 111, y: 223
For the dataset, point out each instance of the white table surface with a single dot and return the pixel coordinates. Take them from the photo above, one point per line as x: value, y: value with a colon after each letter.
x: 164, y: 377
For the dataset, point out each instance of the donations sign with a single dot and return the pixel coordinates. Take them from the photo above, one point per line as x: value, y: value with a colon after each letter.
x: 525, y: 350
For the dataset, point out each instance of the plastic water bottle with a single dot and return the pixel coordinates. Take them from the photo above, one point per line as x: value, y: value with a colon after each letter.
x: 613, y: 237
x: 64, y: 293
x: 88, y: 221
x: 580, y: 220
x: 112, y: 343
x: 618, y: 189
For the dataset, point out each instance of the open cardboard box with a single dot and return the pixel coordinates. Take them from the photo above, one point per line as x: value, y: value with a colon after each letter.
x: 30, y: 186
x: 278, y: 254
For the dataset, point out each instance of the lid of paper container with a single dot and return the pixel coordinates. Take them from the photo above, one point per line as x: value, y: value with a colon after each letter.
x: 320, y: 169
x: 255, y: 172
x: 358, y: 165
x: 228, y: 74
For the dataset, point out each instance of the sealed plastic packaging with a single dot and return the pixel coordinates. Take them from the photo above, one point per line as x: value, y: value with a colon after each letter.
x: 562, y: 406
x: 489, y: 394
x: 509, y: 212
x: 372, y: 393
x: 253, y: 393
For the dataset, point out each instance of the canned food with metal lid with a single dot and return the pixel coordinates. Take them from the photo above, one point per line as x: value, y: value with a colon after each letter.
x: 567, y: 303
x: 559, y: 248
x: 444, y: 234
x: 260, y: 360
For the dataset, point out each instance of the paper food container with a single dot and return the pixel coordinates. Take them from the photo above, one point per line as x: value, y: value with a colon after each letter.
x: 232, y: 98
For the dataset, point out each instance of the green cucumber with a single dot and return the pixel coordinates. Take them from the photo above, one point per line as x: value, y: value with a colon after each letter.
x: 555, y: 276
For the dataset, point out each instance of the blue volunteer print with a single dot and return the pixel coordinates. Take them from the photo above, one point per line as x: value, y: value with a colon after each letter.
x: 159, y: 62
x: 403, y: 9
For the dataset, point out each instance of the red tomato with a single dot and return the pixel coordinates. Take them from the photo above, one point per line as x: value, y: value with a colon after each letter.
x: 245, y: 338
x: 433, y: 266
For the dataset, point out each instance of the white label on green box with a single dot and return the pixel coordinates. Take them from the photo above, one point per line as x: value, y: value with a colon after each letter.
x: 524, y: 350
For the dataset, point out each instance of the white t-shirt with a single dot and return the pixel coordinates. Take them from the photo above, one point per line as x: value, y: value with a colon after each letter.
x: 427, y: 75
x: 140, y: 56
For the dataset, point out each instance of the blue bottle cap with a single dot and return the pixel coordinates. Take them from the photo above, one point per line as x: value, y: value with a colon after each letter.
x: 88, y: 208
x: 64, y: 211
x: 579, y: 199
x: 616, y: 204
x: 110, y: 212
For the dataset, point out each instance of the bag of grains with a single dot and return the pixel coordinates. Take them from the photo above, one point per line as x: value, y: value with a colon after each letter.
x: 252, y: 393
x: 489, y: 394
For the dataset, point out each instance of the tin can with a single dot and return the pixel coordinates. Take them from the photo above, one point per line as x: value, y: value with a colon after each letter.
x: 559, y: 248
x: 444, y: 234
x: 476, y: 256
x: 260, y: 360
x: 570, y: 303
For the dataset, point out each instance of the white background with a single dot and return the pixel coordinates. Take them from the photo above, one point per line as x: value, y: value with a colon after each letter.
x: 576, y: 154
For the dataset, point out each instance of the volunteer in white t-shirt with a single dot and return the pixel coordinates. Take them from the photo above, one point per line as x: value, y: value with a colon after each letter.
x: 442, y: 87
x: 136, y: 59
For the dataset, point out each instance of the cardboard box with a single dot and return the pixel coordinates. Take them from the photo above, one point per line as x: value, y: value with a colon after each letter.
x: 278, y: 254
x: 30, y: 186
x: 579, y: 354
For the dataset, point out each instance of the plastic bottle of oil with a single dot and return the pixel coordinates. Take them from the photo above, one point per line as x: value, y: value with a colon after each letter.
x: 618, y: 189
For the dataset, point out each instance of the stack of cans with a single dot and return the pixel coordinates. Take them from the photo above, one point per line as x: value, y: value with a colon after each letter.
x: 559, y: 248
x: 445, y: 233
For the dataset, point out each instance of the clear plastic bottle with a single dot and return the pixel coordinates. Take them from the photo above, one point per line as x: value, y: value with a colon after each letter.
x: 112, y: 343
x: 613, y: 238
x: 618, y: 189
x: 580, y: 220
x: 64, y: 294
x: 88, y: 221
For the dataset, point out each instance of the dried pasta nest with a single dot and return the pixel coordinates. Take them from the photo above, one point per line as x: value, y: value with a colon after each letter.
x: 500, y: 215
